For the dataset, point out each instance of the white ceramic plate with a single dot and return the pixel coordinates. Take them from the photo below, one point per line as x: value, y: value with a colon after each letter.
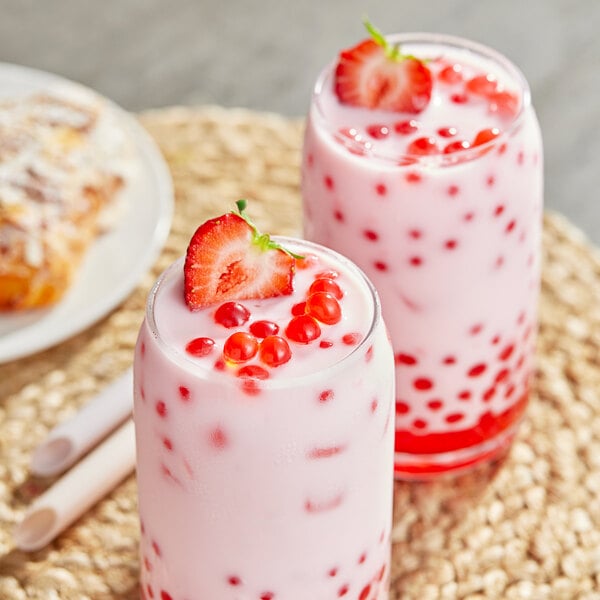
x: 118, y: 259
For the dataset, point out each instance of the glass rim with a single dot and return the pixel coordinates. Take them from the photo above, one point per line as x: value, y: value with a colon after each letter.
x: 209, y: 374
x: 460, y: 156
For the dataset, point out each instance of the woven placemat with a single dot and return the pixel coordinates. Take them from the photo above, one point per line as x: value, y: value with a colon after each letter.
x: 527, y: 528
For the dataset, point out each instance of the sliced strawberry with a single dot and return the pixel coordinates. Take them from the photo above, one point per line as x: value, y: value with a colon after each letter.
x: 228, y: 259
x: 375, y: 74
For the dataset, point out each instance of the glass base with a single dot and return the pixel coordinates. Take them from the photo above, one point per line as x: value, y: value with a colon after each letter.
x: 423, y: 467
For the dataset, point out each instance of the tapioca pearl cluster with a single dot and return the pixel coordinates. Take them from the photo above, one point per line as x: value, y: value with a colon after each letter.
x: 325, y: 398
x: 364, y: 591
x: 501, y: 377
x: 322, y: 307
x: 354, y: 141
x: 513, y: 233
x: 445, y: 140
x: 151, y: 556
x: 482, y: 91
x: 419, y: 248
x: 462, y: 85
x: 416, y: 255
x: 495, y: 205
x: 175, y: 467
x: 260, y: 340
x: 268, y: 341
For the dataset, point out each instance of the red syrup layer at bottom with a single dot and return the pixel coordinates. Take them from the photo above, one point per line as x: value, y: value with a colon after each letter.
x: 488, y: 427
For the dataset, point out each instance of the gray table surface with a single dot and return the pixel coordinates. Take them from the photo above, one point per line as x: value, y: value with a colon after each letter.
x: 265, y: 55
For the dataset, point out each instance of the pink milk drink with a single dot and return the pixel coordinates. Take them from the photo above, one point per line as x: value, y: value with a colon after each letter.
x: 266, y: 473
x: 440, y: 203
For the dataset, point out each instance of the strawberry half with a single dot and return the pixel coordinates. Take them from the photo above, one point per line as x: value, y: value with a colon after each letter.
x: 228, y: 259
x: 375, y: 74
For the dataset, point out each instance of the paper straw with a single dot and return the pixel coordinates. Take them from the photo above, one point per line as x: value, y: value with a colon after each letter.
x: 73, y: 438
x: 89, y: 481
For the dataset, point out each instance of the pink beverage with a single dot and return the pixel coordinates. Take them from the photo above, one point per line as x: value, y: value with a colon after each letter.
x: 442, y: 210
x: 264, y: 482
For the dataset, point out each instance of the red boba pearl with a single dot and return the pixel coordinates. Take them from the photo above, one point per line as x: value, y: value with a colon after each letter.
x: 324, y: 307
x: 378, y: 131
x: 262, y: 329
x: 423, y: 146
x: 326, y: 284
x: 451, y: 74
x: 447, y: 132
x: 482, y: 85
x: 406, y: 127
x: 240, y: 347
x: 201, y: 346
x: 274, y: 351
x: 303, y: 329
x: 486, y: 135
x: 231, y: 314
x: 457, y: 146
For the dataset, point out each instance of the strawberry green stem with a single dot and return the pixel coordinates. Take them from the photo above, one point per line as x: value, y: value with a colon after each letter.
x: 262, y: 240
x: 392, y: 51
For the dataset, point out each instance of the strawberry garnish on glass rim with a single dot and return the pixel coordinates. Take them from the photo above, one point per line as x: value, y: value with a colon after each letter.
x: 229, y: 259
x: 376, y: 74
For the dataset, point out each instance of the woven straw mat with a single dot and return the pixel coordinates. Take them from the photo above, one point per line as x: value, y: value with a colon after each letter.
x: 526, y: 528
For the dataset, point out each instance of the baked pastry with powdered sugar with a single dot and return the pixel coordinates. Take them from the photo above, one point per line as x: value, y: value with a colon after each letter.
x: 63, y: 163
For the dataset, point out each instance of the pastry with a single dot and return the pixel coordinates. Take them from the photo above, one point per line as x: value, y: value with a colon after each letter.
x: 63, y: 163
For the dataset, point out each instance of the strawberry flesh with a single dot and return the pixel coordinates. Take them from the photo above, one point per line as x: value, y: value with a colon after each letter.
x: 365, y: 76
x: 224, y: 261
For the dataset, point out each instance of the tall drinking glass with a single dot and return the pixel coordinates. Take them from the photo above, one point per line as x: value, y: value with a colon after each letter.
x: 442, y: 210
x: 258, y: 481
